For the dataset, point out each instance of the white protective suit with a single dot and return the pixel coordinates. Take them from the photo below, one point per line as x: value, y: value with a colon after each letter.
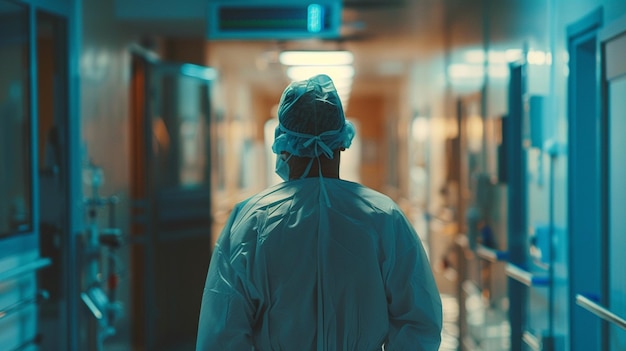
x: 289, y: 274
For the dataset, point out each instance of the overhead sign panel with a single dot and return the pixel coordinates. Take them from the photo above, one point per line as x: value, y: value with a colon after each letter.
x: 286, y: 20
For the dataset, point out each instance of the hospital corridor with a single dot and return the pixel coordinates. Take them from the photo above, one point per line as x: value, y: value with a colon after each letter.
x: 174, y: 172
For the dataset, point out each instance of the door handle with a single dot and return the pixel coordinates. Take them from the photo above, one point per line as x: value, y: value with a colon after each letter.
x: 40, y: 263
x: 531, y: 341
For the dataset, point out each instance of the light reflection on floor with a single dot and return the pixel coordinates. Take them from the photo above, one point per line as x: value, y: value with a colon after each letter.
x: 488, y: 327
x: 450, y: 331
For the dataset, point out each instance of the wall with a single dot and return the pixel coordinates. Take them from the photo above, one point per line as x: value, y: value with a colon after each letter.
x: 369, y: 112
x: 104, y: 70
x: 477, y: 36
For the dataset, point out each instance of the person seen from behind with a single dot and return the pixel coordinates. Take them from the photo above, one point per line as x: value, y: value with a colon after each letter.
x: 317, y: 262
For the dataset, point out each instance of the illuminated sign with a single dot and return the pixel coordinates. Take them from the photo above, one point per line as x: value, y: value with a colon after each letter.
x: 277, y: 20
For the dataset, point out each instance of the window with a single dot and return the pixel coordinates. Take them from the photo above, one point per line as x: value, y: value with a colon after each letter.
x: 15, y: 134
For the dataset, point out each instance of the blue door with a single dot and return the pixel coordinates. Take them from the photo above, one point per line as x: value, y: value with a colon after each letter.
x: 584, y: 186
x: 614, y: 52
x: 612, y: 306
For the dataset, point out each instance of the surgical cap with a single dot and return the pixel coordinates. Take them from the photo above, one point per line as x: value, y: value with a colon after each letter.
x: 311, y: 121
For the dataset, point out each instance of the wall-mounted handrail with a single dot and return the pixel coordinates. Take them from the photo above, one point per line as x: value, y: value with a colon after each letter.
x: 525, y: 277
x: 531, y: 340
x: 39, y: 296
x: 89, y: 302
x: 490, y: 254
x: 25, y: 268
x: 600, y: 311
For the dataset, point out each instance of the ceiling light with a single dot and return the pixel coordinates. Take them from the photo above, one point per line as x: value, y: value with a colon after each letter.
x: 465, y: 71
x: 513, y: 55
x: 474, y: 56
x: 315, y: 58
x: 477, y: 56
x: 336, y: 73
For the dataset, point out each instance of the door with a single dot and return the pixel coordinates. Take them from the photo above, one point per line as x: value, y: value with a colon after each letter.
x: 584, y: 185
x: 52, y: 124
x: 614, y: 52
x: 25, y: 35
x: 172, y: 200
x: 517, y: 203
x: 19, y: 251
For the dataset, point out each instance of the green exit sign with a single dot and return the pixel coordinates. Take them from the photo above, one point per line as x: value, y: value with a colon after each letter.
x: 278, y: 20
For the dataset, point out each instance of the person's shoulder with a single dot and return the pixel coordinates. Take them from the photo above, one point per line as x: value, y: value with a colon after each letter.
x: 269, y: 194
x: 243, y: 212
x: 370, y: 193
x: 373, y: 198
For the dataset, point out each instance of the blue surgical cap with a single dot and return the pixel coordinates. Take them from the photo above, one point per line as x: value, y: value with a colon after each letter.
x: 311, y: 121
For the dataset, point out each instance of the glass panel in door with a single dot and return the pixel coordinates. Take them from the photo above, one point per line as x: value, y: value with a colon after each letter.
x: 617, y: 205
x: 15, y: 142
x: 52, y: 124
x: 615, y: 51
x: 179, y: 197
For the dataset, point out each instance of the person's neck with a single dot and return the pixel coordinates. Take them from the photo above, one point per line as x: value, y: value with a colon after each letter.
x: 329, y: 167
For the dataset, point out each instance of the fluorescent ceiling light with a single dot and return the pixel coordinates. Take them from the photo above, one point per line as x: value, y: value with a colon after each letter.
x: 341, y: 75
x: 336, y: 73
x: 513, y: 55
x: 535, y: 57
x: 315, y: 58
x: 474, y: 56
x: 477, y: 56
x: 464, y: 71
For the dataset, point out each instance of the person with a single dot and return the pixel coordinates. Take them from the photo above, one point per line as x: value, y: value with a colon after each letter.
x: 317, y: 262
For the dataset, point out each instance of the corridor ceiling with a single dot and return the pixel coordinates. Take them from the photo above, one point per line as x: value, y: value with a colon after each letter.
x: 384, y: 35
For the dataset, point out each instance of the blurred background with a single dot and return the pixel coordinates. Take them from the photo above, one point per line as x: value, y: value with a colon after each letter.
x: 130, y: 128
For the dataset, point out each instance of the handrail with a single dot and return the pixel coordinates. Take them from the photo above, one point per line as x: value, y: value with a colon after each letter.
x: 39, y: 296
x: 490, y: 254
x: 25, y: 268
x: 531, y: 340
x: 600, y: 311
x: 96, y: 300
x: 525, y: 277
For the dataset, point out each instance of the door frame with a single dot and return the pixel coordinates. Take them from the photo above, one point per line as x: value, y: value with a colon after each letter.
x: 578, y: 33
x: 611, y: 31
x: 517, y: 203
x: 71, y: 11
x: 146, y: 67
